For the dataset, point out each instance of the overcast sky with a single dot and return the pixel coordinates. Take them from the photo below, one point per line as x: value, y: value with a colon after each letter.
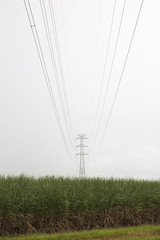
x: 30, y: 140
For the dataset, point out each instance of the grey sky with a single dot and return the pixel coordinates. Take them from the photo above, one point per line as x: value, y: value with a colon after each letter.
x: 30, y: 141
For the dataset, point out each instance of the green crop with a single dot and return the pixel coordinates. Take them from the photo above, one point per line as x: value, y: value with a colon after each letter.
x: 50, y: 195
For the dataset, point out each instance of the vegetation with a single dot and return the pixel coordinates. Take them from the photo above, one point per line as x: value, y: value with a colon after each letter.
x: 50, y: 204
x: 27, y: 195
x: 130, y: 233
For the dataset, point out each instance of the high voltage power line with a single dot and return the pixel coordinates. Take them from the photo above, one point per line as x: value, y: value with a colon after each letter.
x: 54, y: 65
x: 59, y: 74
x: 51, y: 8
x: 120, y: 80
x: 67, y: 57
x: 104, y: 67
x: 110, y: 72
x: 45, y: 71
x: 95, y: 59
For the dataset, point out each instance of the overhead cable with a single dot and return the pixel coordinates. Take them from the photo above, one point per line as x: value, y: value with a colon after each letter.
x: 104, y: 67
x: 67, y: 58
x: 111, y: 69
x: 120, y: 80
x: 53, y: 21
x: 51, y: 50
x: 45, y: 71
x: 94, y: 62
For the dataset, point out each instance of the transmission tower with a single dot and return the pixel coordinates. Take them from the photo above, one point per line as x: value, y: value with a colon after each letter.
x: 82, y: 153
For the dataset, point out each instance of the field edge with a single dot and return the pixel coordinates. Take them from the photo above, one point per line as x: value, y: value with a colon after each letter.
x: 140, y: 232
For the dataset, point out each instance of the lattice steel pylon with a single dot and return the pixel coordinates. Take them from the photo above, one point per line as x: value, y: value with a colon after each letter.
x: 82, y: 153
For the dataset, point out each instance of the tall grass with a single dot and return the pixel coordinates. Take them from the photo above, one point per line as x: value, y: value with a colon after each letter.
x: 50, y: 195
